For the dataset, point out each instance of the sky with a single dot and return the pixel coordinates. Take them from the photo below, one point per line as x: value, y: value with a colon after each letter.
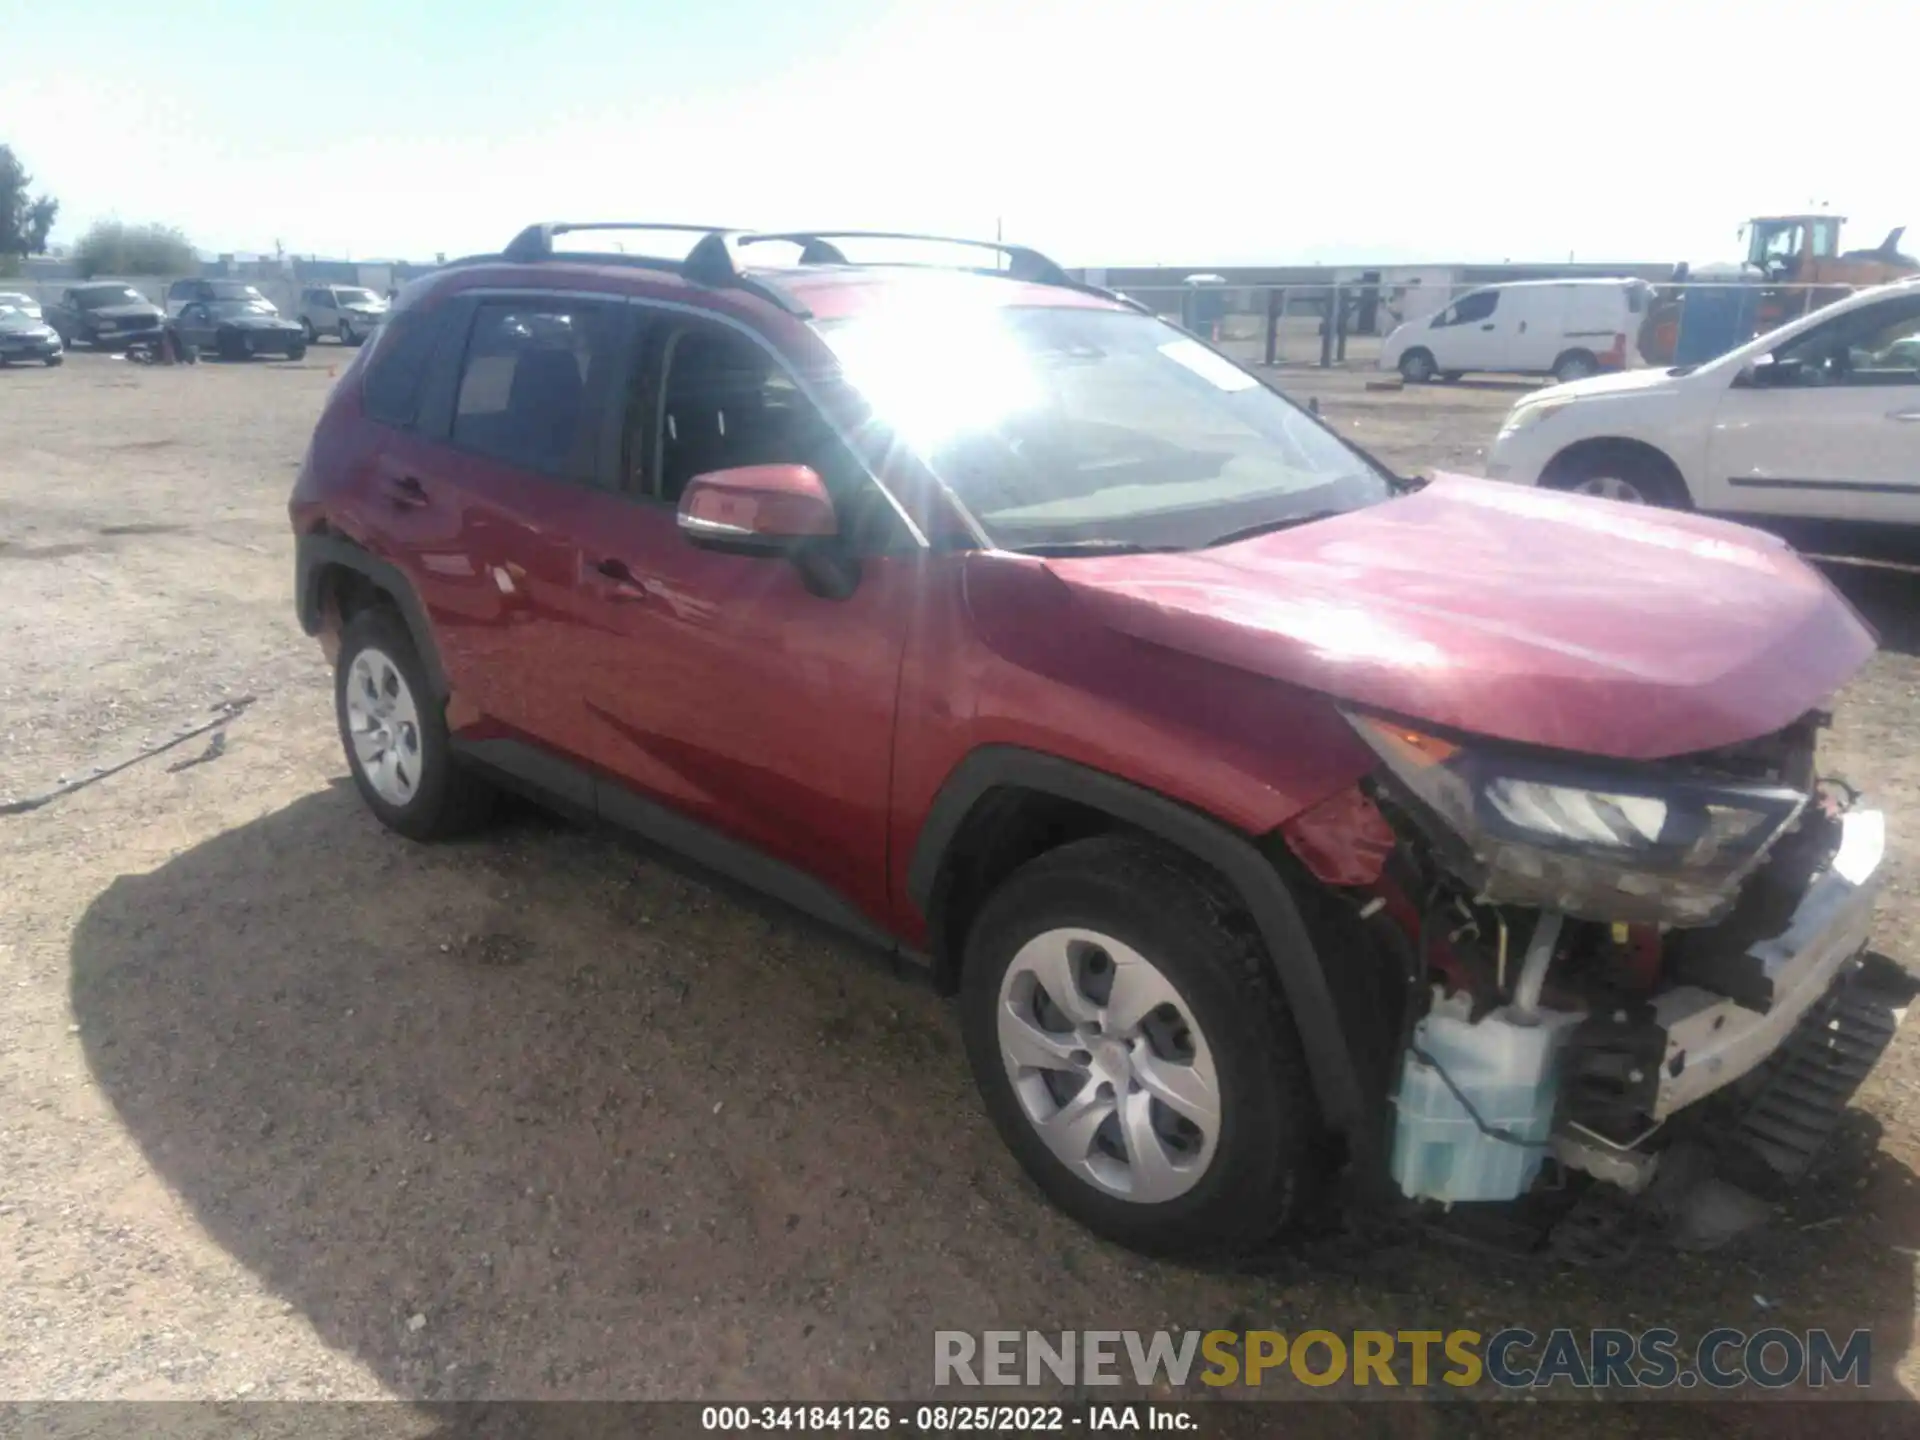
x: 1204, y: 132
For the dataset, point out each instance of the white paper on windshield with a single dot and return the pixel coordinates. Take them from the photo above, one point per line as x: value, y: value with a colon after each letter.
x: 1207, y: 365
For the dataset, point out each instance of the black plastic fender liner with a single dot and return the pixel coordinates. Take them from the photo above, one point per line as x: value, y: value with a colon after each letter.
x: 315, y: 553
x: 1331, y: 1060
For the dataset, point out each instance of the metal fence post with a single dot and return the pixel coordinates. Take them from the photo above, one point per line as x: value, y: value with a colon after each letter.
x: 1274, y: 306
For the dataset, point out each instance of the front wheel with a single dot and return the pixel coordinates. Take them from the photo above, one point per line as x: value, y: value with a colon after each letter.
x: 313, y: 335
x: 1132, y: 1048
x: 396, y: 736
x: 1416, y: 367
x: 296, y: 351
x: 1629, y: 473
x: 53, y: 360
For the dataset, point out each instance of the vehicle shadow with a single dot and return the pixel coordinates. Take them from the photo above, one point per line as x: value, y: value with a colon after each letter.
x: 528, y: 1117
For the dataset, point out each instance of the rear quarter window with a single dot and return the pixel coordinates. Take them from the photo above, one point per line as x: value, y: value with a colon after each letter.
x: 397, y: 370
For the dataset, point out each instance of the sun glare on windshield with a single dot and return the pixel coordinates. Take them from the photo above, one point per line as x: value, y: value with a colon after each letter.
x: 972, y: 376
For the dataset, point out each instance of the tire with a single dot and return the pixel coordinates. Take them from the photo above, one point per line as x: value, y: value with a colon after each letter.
x: 1451, y: 377
x: 313, y: 335
x: 1630, y: 474
x: 55, y: 360
x: 1417, y: 367
x: 229, y: 347
x: 1240, y: 1179
x: 346, y: 333
x: 297, y: 352
x: 411, y: 782
x: 1575, y: 365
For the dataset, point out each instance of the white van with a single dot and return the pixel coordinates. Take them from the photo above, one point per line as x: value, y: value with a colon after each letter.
x: 1568, y: 329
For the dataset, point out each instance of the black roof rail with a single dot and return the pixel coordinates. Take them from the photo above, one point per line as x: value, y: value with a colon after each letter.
x: 1023, y: 261
x: 817, y: 248
x: 536, y: 241
x: 709, y: 262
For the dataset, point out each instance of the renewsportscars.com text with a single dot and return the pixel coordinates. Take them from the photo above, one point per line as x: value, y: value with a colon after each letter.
x: 1513, y: 1358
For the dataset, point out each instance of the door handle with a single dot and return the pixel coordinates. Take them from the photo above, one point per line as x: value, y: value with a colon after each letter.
x: 622, y: 583
x: 406, y: 491
x: 1903, y: 414
x: 1487, y: 326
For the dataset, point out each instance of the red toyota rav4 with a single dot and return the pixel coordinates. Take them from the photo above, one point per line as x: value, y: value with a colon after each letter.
x: 1278, y: 821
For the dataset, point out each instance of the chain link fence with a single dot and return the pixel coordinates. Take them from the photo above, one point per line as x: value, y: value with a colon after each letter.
x: 1287, y: 325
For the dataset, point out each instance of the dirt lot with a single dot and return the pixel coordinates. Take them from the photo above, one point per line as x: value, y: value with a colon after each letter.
x: 292, y: 1108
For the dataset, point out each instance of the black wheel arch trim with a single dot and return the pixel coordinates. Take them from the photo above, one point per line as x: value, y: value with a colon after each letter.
x: 316, y: 553
x: 1332, y: 1063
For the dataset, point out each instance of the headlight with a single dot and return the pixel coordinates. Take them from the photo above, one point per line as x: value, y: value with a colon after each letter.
x: 1593, y: 839
x: 1525, y: 417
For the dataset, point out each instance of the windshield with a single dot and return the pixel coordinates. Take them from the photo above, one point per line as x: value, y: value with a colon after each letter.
x: 347, y: 295
x: 1064, y: 426
x: 109, y: 295
x: 259, y: 305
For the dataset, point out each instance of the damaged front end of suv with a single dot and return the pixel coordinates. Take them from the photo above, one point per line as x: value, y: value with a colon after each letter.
x: 1620, y: 967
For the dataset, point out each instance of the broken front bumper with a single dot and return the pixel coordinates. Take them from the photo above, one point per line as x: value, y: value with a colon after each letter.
x: 1712, y: 1041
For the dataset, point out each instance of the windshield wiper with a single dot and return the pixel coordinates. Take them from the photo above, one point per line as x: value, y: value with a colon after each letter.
x: 1094, y: 546
x: 1269, y: 527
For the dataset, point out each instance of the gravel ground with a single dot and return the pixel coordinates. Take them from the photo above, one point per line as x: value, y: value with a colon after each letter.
x: 291, y: 1108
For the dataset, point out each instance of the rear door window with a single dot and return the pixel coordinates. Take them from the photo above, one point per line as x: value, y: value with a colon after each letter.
x: 398, y: 366
x: 534, y: 384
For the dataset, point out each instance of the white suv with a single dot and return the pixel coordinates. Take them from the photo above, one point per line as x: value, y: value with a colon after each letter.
x: 1820, y: 419
x: 350, y: 313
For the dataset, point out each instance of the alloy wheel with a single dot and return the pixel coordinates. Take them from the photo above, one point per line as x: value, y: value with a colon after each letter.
x: 1612, y: 487
x: 383, y: 722
x: 1109, y: 1065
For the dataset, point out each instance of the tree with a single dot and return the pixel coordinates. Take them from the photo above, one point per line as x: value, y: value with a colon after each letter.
x: 111, y: 247
x: 24, y: 222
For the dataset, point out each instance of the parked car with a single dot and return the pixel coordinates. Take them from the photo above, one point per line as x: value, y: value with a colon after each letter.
x: 16, y: 300
x: 1286, y: 828
x: 1565, y: 328
x: 25, y: 336
x: 104, y: 314
x: 182, y: 293
x: 1818, y: 419
x: 240, y: 329
x: 351, y: 313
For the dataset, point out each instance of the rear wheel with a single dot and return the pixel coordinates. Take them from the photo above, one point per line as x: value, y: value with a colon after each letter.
x: 1631, y: 474
x: 1133, y: 1051
x: 1575, y: 365
x: 396, y: 735
x: 1417, y: 367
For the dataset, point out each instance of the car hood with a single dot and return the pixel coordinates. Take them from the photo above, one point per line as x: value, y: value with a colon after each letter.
x: 1617, y: 382
x: 1525, y: 615
x: 128, y: 311
x: 23, y: 325
x: 257, y: 322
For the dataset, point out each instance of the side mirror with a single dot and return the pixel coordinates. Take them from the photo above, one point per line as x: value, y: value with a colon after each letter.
x: 1768, y: 371
x: 757, y: 509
